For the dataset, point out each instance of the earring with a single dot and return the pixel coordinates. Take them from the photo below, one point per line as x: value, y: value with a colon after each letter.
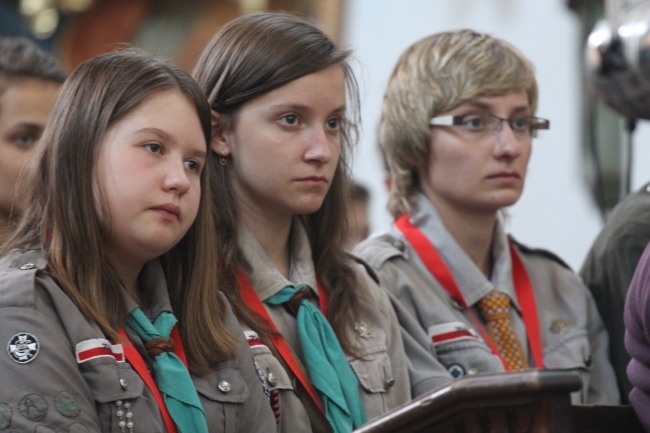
x: 223, y: 161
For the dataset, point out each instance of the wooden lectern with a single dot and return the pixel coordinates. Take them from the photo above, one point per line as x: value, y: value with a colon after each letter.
x: 529, y: 401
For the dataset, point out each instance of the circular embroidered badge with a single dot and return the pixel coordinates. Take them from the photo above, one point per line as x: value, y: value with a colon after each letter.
x: 5, y: 416
x: 66, y: 404
x: 33, y: 407
x: 23, y: 347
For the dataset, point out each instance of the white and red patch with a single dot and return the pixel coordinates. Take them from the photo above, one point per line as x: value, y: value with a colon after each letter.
x: 450, y: 332
x: 98, y: 348
x: 253, y: 339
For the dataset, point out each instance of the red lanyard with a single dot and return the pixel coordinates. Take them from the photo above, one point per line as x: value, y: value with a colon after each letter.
x: 136, y: 361
x: 250, y: 298
x: 523, y: 288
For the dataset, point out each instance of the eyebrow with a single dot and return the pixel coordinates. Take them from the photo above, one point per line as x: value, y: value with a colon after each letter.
x: 486, y: 106
x: 30, y: 125
x: 298, y: 107
x: 163, y: 135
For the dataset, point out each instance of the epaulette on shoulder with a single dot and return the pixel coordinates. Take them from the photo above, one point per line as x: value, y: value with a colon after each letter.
x: 18, y: 274
x: 378, y: 249
x: 539, y: 252
x: 366, y: 266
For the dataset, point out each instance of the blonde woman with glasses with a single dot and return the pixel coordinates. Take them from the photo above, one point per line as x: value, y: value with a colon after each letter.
x: 457, y: 126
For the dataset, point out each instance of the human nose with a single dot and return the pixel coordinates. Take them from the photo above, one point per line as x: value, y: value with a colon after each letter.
x: 507, y: 142
x: 319, y: 149
x: 176, y: 178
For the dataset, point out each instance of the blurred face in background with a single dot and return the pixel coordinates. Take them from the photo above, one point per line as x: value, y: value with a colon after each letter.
x: 25, y: 107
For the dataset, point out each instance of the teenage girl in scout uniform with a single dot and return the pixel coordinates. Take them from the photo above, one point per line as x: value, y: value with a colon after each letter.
x: 30, y: 80
x: 283, y: 104
x: 115, y: 233
x: 457, y: 124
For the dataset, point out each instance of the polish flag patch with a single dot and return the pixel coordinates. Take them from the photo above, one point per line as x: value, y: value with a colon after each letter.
x: 451, y: 331
x: 253, y: 339
x: 98, y: 348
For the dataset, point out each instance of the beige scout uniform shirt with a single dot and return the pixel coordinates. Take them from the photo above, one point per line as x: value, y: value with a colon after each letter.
x: 43, y: 386
x: 572, y: 332
x: 383, y: 371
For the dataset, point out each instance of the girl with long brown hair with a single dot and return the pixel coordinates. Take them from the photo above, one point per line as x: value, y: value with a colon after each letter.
x: 284, y: 108
x: 116, y: 238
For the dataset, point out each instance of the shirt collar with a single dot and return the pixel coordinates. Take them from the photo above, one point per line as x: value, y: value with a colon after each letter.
x: 265, y: 278
x: 470, y: 280
x: 153, y: 283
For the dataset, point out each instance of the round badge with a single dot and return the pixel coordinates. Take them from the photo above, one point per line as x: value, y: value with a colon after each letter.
x: 66, y: 404
x: 23, y: 347
x: 33, y: 407
x: 456, y: 371
x: 5, y: 416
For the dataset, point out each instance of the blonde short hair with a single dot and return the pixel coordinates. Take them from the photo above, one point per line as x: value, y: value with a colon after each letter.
x: 433, y: 76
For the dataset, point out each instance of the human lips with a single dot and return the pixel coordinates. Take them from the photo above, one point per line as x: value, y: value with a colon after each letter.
x: 504, y: 175
x: 314, y: 180
x: 169, y: 211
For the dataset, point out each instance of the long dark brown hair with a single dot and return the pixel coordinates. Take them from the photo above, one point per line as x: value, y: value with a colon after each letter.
x: 247, y: 58
x: 62, y: 216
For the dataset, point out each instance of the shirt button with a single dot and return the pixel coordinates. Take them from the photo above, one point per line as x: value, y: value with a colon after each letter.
x: 399, y: 245
x: 123, y: 384
x: 273, y: 380
x: 27, y: 266
x: 224, y: 386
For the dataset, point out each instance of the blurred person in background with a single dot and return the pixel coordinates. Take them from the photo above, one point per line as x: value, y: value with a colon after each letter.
x: 30, y: 80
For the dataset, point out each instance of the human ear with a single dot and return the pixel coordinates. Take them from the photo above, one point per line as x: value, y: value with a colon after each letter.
x: 220, y: 143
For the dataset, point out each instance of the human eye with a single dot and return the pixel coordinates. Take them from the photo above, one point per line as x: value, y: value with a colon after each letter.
x: 194, y: 165
x: 334, y: 123
x: 475, y: 122
x: 154, y: 148
x: 520, y: 124
x: 24, y: 141
x: 289, y: 119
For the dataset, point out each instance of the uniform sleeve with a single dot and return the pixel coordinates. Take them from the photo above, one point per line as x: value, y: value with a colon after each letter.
x: 400, y: 391
x: 42, y: 387
x: 425, y: 371
x: 637, y: 343
x: 256, y: 415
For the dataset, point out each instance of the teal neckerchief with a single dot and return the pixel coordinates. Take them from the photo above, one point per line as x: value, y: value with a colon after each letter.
x: 326, y: 363
x: 172, y: 378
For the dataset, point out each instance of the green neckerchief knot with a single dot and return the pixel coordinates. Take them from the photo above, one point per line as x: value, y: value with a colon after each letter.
x: 326, y: 363
x: 172, y: 378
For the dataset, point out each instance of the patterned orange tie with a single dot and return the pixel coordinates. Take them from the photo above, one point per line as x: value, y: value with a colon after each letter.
x: 495, y: 307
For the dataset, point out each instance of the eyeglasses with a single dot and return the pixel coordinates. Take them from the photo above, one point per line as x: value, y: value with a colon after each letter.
x: 524, y: 127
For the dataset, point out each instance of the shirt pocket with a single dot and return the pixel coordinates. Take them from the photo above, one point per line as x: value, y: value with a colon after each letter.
x: 373, y: 367
x: 274, y: 373
x: 374, y: 372
x: 222, y: 393
x: 570, y: 351
x: 116, y: 386
x: 461, y: 350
